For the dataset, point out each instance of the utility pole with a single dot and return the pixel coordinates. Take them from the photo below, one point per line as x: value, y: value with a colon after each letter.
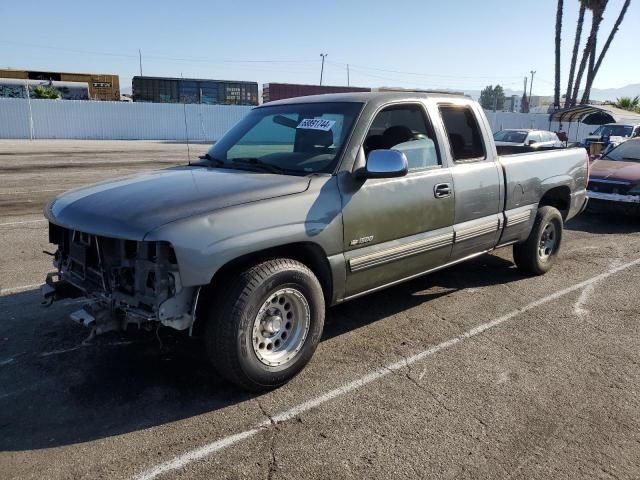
x: 322, y: 67
x: 348, y: 84
x: 140, y: 58
x: 533, y: 72
x: 26, y: 87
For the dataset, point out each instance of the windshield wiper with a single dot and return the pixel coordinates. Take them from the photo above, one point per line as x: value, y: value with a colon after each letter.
x: 257, y: 163
x: 218, y: 162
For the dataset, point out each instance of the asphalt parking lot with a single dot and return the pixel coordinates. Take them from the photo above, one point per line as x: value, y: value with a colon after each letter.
x: 473, y: 372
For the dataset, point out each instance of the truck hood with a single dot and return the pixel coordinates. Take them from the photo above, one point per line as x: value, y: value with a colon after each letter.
x: 132, y: 206
x: 615, y: 170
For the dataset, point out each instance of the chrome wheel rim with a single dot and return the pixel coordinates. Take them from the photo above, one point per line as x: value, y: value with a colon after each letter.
x: 548, y: 241
x: 281, y: 327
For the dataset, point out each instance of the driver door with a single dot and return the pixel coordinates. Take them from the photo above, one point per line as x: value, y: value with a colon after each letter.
x: 395, y: 228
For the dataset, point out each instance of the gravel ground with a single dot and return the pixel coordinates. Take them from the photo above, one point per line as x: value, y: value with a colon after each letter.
x: 516, y: 377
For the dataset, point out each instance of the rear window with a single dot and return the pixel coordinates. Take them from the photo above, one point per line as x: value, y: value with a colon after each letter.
x: 511, y: 136
x: 614, y: 131
x: 463, y: 132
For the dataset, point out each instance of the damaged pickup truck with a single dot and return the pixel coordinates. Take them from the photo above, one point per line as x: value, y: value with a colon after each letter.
x: 306, y: 203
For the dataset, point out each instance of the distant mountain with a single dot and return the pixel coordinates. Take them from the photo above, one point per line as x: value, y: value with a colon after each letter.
x: 600, y: 94
x: 613, y: 93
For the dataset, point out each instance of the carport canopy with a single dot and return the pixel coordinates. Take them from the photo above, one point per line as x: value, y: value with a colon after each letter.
x: 587, y: 114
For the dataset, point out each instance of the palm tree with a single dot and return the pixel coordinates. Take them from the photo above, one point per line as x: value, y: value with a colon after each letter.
x: 556, y: 93
x: 614, y: 30
x: 628, y: 103
x: 597, y: 9
x: 574, y: 57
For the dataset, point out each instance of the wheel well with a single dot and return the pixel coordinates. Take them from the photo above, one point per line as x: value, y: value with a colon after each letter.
x: 558, y: 197
x: 309, y: 254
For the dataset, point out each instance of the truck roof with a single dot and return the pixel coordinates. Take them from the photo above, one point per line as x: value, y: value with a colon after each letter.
x: 366, y: 97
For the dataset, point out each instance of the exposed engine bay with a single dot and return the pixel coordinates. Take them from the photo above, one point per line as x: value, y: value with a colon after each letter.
x: 125, y: 281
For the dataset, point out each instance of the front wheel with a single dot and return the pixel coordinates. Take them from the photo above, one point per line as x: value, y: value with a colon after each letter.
x: 266, y: 326
x: 539, y: 252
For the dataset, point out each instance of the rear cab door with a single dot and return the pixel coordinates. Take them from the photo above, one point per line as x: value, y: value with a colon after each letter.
x: 478, y: 181
x: 396, y: 228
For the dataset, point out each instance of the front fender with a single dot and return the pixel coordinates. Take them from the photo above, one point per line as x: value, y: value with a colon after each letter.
x: 205, y: 243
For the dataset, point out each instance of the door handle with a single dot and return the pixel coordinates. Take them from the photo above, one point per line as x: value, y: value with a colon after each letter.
x: 442, y: 190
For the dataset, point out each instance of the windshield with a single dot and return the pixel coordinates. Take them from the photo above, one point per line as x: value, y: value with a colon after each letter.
x: 296, y: 139
x: 513, y: 136
x: 614, y: 131
x: 628, y: 151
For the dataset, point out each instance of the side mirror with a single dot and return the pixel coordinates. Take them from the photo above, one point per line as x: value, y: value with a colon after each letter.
x: 531, y: 142
x: 385, y: 164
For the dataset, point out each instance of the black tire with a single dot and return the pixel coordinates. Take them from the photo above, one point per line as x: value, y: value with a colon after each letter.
x: 528, y: 255
x: 229, y: 334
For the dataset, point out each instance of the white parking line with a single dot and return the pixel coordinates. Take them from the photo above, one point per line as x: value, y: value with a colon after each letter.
x: 213, y: 447
x: 40, y: 220
x: 24, y: 192
x: 23, y: 288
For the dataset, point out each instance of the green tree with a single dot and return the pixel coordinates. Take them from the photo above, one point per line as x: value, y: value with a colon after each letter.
x: 44, y: 92
x: 492, y: 98
x: 628, y: 103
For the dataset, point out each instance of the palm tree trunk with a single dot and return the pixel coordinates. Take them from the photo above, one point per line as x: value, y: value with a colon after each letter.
x: 590, y: 68
x: 592, y: 59
x: 574, y: 57
x: 585, y: 56
x: 556, y: 93
x: 614, y: 30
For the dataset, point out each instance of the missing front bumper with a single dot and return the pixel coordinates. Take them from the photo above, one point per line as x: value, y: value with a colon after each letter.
x: 104, y: 313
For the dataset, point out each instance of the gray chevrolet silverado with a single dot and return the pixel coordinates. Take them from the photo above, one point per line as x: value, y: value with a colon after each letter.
x: 306, y: 203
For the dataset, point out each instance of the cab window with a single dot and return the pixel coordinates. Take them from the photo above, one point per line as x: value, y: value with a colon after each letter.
x: 464, y: 133
x: 405, y: 128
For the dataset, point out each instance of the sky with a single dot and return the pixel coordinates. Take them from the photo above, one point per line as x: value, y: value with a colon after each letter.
x: 456, y: 44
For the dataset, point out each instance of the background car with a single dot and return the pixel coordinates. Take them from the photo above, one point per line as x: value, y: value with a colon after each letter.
x: 615, y: 133
x: 615, y: 177
x: 526, y: 137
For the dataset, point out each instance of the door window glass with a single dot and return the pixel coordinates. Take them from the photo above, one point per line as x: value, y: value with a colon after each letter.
x: 463, y: 131
x: 404, y: 128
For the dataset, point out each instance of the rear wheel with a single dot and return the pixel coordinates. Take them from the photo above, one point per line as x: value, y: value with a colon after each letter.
x: 266, y: 326
x: 539, y: 252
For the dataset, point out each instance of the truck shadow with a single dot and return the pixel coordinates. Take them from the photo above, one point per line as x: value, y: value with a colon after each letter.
x: 603, y: 220
x: 54, y: 391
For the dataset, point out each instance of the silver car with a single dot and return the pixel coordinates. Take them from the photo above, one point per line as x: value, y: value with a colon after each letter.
x: 521, y: 137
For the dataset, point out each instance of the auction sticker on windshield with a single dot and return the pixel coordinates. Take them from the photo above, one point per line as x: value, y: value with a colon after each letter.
x: 316, y: 124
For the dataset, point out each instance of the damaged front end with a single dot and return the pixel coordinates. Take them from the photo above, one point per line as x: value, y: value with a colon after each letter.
x: 125, y: 281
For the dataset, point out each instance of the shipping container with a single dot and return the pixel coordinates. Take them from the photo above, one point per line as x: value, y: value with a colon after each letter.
x: 194, y: 90
x: 17, y: 88
x: 101, y: 86
x: 280, y: 91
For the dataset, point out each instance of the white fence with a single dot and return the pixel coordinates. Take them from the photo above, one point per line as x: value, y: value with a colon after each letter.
x: 499, y: 120
x: 87, y: 120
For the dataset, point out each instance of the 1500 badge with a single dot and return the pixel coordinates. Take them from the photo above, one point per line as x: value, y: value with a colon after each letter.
x: 360, y: 241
